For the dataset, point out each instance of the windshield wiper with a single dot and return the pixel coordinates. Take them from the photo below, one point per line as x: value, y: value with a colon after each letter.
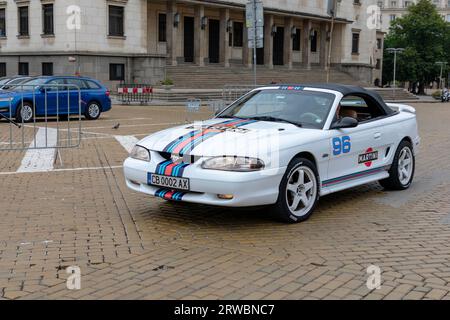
x: 274, y: 119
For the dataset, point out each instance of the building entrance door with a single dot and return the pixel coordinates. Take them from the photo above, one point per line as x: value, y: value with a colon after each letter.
x: 188, y: 39
x: 214, y: 35
x: 278, y: 46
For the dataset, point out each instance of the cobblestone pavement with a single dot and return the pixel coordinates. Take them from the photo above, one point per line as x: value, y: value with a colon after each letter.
x: 132, y: 246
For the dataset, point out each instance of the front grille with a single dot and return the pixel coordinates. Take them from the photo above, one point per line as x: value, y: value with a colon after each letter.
x: 186, y: 158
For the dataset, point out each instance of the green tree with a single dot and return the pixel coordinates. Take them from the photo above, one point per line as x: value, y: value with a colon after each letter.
x: 425, y: 35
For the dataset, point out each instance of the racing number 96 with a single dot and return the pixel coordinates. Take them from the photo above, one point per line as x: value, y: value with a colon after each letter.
x: 341, y: 145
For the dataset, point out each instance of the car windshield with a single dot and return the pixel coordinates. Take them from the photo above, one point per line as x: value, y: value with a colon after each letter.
x: 5, y: 80
x: 301, y: 107
x: 30, y: 84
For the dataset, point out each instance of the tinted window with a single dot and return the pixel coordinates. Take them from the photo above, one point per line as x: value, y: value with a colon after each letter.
x: 31, y: 84
x: 55, y: 85
x: 3, y: 81
x: 76, y: 82
x: 92, y: 84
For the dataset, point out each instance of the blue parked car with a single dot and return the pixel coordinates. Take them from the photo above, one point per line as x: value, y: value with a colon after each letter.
x: 59, y: 94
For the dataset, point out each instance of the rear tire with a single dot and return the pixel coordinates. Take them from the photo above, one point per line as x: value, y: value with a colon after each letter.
x: 93, y: 110
x: 25, y: 112
x: 401, y: 173
x: 298, y: 192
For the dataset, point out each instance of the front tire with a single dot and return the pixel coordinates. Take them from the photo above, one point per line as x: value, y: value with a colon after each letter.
x: 401, y: 173
x: 299, y: 191
x: 93, y: 110
x: 25, y: 113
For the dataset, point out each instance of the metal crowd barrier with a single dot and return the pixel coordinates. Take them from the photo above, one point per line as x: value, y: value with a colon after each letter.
x: 231, y: 93
x: 192, y: 106
x: 216, y: 106
x: 129, y: 93
x: 44, y: 116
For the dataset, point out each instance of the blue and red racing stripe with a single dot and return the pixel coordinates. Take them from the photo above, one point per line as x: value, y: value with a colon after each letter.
x: 189, y: 141
x: 169, y: 168
x: 169, y: 194
x: 352, y: 176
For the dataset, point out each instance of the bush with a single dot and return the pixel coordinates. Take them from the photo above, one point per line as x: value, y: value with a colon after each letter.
x: 167, y: 82
x: 437, y: 94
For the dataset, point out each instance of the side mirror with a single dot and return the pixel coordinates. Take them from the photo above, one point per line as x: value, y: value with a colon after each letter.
x: 346, y: 122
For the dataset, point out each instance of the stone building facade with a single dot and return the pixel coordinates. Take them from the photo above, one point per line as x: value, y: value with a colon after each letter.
x: 393, y: 9
x: 133, y: 40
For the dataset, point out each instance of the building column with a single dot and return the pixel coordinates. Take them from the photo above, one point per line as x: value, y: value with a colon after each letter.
x: 287, y: 51
x: 306, y: 44
x: 199, y: 36
x: 247, y: 53
x: 323, y: 45
x: 224, y: 48
x: 172, y: 33
x: 268, y: 41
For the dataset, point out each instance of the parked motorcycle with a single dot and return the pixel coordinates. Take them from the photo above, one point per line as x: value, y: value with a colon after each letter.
x: 445, y: 97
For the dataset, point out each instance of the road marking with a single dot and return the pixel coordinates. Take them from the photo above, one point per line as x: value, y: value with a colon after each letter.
x: 127, y: 142
x: 132, y: 125
x: 59, y: 170
x: 38, y: 160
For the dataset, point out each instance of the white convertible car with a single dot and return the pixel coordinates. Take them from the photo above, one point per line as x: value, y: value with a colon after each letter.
x: 282, y: 146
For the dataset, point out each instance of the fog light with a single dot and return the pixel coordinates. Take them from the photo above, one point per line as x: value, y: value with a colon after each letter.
x: 134, y: 182
x: 225, y: 196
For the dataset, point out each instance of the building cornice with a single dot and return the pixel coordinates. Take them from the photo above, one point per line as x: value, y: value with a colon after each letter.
x: 22, y: 2
x: 298, y: 14
x: 83, y: 53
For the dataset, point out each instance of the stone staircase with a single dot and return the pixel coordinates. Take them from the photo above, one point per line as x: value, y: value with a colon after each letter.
x: 216, y: 76
x: 399, y: 95
x: 214, y: 82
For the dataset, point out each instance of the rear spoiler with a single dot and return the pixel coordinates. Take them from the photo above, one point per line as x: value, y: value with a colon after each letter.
x: 401, y: 107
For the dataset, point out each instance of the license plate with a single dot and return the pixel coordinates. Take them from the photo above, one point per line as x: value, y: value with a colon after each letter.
x: 169, y: 182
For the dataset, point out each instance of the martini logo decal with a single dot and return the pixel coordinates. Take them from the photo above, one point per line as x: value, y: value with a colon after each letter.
x: 367, y: 157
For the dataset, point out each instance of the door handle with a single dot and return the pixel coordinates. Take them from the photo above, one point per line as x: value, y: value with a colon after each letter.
x: 377, y: 135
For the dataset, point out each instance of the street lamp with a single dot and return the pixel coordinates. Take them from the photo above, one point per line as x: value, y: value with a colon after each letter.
x: 442, y: 64
x: 395, y: 51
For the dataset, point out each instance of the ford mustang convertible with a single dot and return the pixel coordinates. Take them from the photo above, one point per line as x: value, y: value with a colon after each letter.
x: 283, y: 146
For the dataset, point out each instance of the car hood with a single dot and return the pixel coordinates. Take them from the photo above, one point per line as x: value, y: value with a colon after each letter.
x: 246, y: 140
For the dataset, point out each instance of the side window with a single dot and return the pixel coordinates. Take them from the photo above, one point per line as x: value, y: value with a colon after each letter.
x: 55, y: 85
x: 92, y: 85
x: 360, y: 108
x: 73, y: 84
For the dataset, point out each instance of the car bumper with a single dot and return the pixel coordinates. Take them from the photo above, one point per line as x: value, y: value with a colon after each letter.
x: 247, y: 188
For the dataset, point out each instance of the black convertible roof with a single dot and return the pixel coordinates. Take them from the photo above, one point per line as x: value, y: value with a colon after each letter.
x: 347, y: 90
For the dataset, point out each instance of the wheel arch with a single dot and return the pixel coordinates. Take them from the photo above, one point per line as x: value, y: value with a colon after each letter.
x: 19, y: 103
x: 307, y: 155
x: 96, y: 101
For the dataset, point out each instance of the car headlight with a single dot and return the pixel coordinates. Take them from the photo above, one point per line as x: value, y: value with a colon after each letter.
x: 9, y: 99
x: 232, y: 163
x: 140, y: 153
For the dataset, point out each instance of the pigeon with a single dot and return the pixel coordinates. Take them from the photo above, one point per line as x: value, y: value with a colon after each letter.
x: 116, y: 126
